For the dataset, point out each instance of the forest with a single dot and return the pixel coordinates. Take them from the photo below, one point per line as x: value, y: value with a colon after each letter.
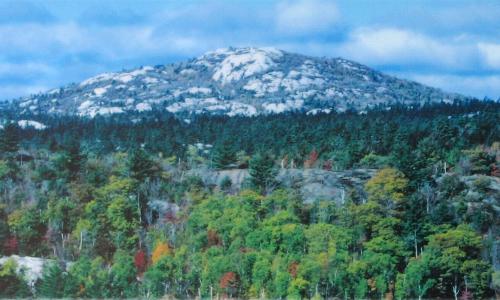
x: 112, y: 206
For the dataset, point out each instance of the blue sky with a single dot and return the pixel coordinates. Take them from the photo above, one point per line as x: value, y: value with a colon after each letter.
x: 451, y: 44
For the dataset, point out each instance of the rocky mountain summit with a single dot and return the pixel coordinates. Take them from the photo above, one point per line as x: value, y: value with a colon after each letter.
x: 234, y: 81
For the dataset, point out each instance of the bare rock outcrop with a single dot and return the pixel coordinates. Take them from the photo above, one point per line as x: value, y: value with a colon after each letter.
x: 313, y: 184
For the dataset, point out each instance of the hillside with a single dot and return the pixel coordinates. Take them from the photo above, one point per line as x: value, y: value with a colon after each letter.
x: 285, y: 205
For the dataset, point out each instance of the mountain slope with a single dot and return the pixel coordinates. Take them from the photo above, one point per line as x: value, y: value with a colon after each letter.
x: 234, y: 81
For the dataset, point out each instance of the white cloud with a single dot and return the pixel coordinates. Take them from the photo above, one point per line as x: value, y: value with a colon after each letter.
x: 478, y: 86
x: 404, y: 47
x: 306, y: 16
x: 117, y: 42
x: 491, y: 54
x: 64, y: 50
x: 11, y: 91
x: 25, y: 69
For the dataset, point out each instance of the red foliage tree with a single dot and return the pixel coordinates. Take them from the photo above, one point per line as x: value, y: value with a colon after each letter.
x: 328, y: 165
x: 313, y: 157
x: 140, y: 261
x: 495, y: 170
x: 170, y: 217
x: 293, y: 269
x: 229, y: 282
x: 213, y: 238
x: 466, y: 295
x: 11, y: 246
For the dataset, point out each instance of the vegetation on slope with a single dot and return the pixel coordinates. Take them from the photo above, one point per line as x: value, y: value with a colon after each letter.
x: 115, y: 199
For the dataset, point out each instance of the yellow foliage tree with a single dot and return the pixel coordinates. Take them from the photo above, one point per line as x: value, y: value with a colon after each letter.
x: 387, y: 187
x: 162, y: 249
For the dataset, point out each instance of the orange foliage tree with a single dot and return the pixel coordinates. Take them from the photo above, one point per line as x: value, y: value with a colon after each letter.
x: 161, y: 250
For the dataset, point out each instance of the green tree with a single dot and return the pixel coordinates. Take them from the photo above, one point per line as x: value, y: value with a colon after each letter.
x: 261, y: 275
x: 158, y: 277
x: 12, y: 285
x: 110, y: 221
x: 141, y: 165
x: 224, y: 156
x: 7, y: 170
x: 495, y: 282
x: 62, y: 215
x: 72, y: 159
x: 53, y: 281
x: 9, y: 139
x: 4, y: 227
x: 123, y: 283
x: 417, y: 278
x: 28, y: 227
x: 480, y: 161
x: 263, y: 172
x: 123, y: 219
x: 88, y: 278
x: 455, y: 256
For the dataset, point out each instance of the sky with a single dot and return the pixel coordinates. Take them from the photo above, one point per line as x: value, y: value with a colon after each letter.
x: 450, y: 44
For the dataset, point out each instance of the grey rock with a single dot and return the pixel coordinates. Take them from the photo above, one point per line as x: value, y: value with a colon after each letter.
x: 313, y: 184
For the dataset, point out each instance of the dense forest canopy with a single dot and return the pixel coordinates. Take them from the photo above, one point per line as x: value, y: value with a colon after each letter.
x: 115, y: 204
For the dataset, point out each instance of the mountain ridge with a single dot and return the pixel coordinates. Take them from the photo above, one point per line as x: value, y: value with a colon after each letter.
x: 234, y: 81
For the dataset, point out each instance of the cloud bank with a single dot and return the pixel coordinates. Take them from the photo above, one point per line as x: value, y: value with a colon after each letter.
x: 52, y: 43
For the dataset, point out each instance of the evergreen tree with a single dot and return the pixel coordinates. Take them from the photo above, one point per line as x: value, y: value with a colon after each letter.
x: 72, y: 159
x: 263, y: 172
x: 123, y: 283
x: 141, y: 166
x: 4, y: 228
x: 10, y: 138
x: 224, y: 155
x: 52, y: 283
x: 11, y: 284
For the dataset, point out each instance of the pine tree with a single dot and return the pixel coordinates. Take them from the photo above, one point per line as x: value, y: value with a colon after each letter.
x: 4, y: 228
x: 262, y: 172
x: 141, y: 166
x: 73, y: 158
x: 10, y: 139
x: 51, y: 285
x: 11, y: 284
x: 224, y: 155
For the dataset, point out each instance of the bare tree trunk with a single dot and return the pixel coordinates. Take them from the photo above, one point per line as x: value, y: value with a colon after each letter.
x: 62, y: 241
x: 416, y: 245
x: 139, y: 208
x: 455, y: 291
x: 81, y: 241
x: 427, y: 204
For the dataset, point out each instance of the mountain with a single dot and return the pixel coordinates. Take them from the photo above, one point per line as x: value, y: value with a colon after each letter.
x: 234, y: 81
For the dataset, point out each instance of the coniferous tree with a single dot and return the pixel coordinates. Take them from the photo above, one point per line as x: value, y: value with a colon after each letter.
x: 52, y: 283
x: 11, y: 284
x: 141, y: 166
x: 10, y: 139
x: 72, y: 158
x: 224, y: 155
x: 4, y: 228
x: 262, y: 172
